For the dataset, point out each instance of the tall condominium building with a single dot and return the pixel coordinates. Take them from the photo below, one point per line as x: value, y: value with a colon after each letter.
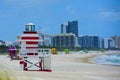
x: 88, y: 41
x: 111, y: 43
x: 64, y: 40
x: 101, y: 43
x: 45, y: 39
x: 71, y: 27
x: 107, y: 43
x: 117, y: 41
x: 63, y: 28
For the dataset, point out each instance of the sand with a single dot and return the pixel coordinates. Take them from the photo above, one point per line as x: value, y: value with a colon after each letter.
x: 64, y: 67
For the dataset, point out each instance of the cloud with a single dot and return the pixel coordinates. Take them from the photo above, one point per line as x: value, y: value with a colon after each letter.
x: 109, y: 15
x: 5, y: 15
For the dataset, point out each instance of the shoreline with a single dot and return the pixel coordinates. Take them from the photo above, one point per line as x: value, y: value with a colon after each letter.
x: 89, y: 59
x: 86, y: 59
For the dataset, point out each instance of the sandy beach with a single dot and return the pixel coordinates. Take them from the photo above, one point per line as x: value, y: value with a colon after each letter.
x: 64, y: 67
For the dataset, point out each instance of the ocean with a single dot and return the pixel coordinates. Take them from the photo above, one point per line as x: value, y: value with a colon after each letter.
x: 112, y: 59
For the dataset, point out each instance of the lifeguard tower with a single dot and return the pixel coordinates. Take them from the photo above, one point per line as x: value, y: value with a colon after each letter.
x: 33, y: 58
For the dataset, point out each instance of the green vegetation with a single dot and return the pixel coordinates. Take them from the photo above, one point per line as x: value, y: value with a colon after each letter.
x: 66, y: 51
x: 3, y: 49
x: 102, y: 50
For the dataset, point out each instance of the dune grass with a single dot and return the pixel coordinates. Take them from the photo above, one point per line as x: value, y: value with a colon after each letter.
x: 4, y: 75
x: 3, y: 53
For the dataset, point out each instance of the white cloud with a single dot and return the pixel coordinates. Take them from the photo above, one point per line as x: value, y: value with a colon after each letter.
x: 109, y: 15
x: 5, y: 15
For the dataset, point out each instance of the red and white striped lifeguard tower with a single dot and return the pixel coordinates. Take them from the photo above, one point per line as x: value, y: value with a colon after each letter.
x: 33, y: 58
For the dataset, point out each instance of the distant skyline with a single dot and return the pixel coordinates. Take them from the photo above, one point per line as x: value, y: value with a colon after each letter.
x: 95, y: 17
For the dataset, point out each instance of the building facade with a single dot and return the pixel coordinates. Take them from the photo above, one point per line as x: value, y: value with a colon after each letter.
x: 91, y: 42
x: 45, y: 39
x: 63, y: 28
x: 71, y: 27
x: 64, y: 40
x: 117, y: 41
x: 107, y: 43
x: 101, y: 42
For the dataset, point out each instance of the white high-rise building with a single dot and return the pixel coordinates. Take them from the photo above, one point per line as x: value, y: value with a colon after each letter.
x: 109, y: 43
x: 45, y: 39
x: 64, y: 28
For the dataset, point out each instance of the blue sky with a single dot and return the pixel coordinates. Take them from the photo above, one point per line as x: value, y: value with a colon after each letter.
x: 95, y: 17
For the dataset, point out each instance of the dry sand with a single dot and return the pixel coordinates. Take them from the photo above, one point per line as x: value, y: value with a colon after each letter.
x: 64, y: 66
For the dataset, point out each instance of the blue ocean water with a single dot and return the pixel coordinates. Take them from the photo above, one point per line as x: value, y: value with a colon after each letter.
x: 112, y: 59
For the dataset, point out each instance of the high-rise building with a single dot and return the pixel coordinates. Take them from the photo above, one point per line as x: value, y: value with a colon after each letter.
x: 71, y: 27
x: 111, y: 43
x: 64, y: 40
x: 45, y: 39
x: 117, y: 41
x: 101, y: 42
x: 63, y: 28
x: 88, y: 41
x: 108, y: 43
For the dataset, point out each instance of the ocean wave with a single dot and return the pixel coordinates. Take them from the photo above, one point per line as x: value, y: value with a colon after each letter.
x: 113, y: 59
